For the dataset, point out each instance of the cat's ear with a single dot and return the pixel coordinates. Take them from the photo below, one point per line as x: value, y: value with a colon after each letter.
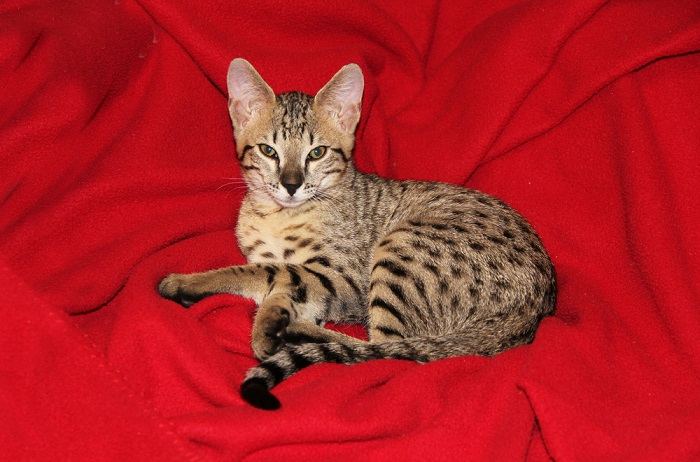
x: 341, y: 97
x: 248, y: 93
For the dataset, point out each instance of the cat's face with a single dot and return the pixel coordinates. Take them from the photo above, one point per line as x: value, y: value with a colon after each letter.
x: 293, y: 147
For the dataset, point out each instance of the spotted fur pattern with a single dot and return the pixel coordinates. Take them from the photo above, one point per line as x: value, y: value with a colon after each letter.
x: 433, y: 270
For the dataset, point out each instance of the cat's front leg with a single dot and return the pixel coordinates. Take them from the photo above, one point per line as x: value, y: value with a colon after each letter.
x: 268, y: 285
x: 285, y: 293
x: 186, y: 289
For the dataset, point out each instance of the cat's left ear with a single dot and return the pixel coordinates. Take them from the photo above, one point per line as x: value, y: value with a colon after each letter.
x: 341, y: 97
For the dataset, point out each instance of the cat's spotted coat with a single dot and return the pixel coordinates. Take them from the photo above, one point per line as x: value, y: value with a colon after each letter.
x: 434, y: 270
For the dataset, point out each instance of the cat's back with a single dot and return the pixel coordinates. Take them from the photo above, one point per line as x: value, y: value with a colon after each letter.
x: 461, y: 234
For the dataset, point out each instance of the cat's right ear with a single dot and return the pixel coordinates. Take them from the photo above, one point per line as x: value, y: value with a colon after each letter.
x: 248, y: 94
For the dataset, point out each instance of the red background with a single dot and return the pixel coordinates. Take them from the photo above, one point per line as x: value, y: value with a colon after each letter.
x: 114, y: 146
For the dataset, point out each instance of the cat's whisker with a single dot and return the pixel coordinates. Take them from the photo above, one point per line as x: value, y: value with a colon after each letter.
x: 332, y: 200
x: 235, y: 185
x: 322, y: 195
x: 236, y: 182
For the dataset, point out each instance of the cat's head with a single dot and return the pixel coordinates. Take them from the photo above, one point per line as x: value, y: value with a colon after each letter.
x: 293, y: 147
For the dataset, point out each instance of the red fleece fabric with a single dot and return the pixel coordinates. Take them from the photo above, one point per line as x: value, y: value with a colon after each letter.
x: 118, y: 167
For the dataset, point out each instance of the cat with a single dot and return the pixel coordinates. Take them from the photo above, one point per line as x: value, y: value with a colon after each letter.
x: 433, y: 270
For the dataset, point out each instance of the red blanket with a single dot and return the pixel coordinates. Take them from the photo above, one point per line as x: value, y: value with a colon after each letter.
x: 118, y: 167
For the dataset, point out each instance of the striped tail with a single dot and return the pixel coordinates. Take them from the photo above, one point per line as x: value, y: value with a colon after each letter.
x: 255, y: 389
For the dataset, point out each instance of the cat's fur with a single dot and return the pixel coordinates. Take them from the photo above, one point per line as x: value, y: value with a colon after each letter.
x: 434, y: 270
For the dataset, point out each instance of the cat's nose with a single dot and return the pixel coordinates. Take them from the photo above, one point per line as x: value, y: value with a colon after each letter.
x: 291, y: 187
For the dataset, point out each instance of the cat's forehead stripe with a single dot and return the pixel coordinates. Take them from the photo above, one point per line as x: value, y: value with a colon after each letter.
x: 293, y: 109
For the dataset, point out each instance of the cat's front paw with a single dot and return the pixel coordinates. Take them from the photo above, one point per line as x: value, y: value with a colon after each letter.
x: 269, y: 330
x: 176, y: 287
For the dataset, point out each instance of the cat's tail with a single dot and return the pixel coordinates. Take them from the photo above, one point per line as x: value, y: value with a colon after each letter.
x: 255, y: 389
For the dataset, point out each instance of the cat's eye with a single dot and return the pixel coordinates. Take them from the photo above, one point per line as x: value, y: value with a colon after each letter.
x: 267, y: 150
x: 317, y: 152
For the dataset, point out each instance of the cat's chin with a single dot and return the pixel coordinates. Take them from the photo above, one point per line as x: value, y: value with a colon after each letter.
x: 289, y: 204
x: 271, y: 201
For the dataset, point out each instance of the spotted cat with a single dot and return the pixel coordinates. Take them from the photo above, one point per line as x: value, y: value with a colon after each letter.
x: 433, y: 270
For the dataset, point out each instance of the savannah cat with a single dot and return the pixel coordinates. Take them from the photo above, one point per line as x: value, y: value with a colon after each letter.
x: 433, y: 270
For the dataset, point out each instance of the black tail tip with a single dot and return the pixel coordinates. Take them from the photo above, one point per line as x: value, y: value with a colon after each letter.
x: 255, y: 392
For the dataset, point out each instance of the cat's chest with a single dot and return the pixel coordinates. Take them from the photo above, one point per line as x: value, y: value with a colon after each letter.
x: 278, y: 237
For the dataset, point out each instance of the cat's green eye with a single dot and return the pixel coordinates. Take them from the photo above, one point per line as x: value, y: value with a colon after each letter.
x: 317, y: 152
x: 268, y: 151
